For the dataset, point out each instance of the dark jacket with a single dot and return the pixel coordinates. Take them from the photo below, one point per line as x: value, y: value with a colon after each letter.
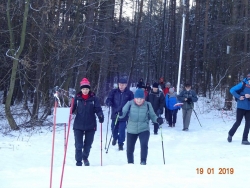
x: 187, y: 94
x: 157, y: 100
x: 242, y: 104
x: 85, y: 112
x: 118, y: 99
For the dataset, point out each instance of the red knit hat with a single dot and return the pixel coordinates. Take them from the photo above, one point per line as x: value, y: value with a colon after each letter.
x: 85, y: 83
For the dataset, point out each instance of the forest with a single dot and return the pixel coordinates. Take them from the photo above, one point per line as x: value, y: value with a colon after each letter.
x: 55, y: 43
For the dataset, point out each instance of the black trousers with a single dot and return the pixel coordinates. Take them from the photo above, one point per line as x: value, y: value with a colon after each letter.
x: 131, y: 140
x: 240, y: 113
x: 83, y: 146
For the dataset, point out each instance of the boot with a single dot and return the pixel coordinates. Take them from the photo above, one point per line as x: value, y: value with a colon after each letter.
x: 113, y: 142
x: 78, y: 163
x: 143, y: 163
x: 229, y: 138
x: 86, y: 162
x: 120, y: 147
x: 245, y: 142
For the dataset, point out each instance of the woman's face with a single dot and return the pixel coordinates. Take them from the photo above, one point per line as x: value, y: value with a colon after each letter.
x: 139, y: 101
x: 85, y: 91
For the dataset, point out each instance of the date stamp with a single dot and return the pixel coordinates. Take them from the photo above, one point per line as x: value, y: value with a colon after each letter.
x: 215, y: 171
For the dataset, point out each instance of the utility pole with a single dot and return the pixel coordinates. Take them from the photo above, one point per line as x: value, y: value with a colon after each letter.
x: 181, y: 47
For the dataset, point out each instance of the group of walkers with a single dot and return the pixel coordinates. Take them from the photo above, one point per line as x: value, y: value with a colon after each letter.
x: 133, y: 111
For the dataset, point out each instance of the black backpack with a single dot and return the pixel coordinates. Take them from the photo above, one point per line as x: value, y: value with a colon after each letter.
x: 240, y: 90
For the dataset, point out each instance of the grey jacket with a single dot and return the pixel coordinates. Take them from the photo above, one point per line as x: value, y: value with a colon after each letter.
x: 139, y: 116
x: 187, y: 94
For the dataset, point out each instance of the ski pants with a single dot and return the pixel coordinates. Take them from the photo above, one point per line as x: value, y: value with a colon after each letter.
x: 131, y: 140
x: 118, y: 131
x: 186, y: 117
x: 83, y: 147
x: 240, y: 113
x: 172, y: 114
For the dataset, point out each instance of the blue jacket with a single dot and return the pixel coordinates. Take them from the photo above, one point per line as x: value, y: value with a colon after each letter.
x: 118, y: 99
x: 242, y: 104
x: 171, y: 100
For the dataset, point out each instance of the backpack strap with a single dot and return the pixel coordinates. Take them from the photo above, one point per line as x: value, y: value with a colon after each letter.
x: 131, y: 104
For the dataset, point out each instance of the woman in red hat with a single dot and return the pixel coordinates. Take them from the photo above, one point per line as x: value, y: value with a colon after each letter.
x: 86, y: 106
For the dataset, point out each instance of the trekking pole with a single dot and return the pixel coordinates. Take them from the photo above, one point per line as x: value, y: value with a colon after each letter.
x: 67, y: 140
x: 162, y: 145
x: 112, y: 132
x: 53, y: 143
x: 107, y: 129
x: 101, y: 144
x: 197, y: 117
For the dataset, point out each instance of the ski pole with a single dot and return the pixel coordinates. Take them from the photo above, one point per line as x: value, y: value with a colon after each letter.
x: 107, y: 130
x: 162, y: 145
x: 112, y: 132
x: 101, y: 144
x: 197, y: 117
x: 67, y: 141
x: 53, y: 144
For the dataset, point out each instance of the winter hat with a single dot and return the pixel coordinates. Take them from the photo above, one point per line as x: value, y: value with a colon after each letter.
x: 122, y: 81
x: 171, y: 90
x: 139, y: 93
x: 155, y: 85
x: 187, y: 84
x: 168, y: 83
x: 141, y: 80
x: 85, y: 83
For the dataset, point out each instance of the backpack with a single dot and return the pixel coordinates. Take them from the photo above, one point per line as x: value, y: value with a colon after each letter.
x: 240, y: 90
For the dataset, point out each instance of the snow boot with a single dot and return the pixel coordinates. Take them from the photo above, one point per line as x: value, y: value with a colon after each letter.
x: 113, y: 142
x: 229, y: 138
x: 78, y: 163
x: 245, y: 142
x: 86, y: 162
x: 143, y: 163
x: 120, y: 147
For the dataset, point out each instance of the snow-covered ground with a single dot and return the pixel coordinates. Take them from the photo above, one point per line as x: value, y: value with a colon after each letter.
x: 25, y: 157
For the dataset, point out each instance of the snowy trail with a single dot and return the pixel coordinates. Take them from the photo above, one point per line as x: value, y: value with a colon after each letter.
x: 25, y: 159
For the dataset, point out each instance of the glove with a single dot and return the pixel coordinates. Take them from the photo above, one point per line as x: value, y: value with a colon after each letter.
x: 158, y: 112
x: 159, y: 120
x: 189, y: 100
x: 109, y: 103
x: 101, y: 118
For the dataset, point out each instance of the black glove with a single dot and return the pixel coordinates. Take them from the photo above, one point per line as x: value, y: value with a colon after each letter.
x: 159, y: 112
x: 189, y: 100
x: 159, y: 120
x: 109, y: 103
x: 101, y: 118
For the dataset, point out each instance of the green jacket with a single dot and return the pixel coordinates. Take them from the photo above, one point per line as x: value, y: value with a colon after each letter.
x: 139, y: 116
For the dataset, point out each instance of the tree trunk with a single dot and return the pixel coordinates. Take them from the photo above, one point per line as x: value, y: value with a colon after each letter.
x: 15, y: 57
x: 135, y: 44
